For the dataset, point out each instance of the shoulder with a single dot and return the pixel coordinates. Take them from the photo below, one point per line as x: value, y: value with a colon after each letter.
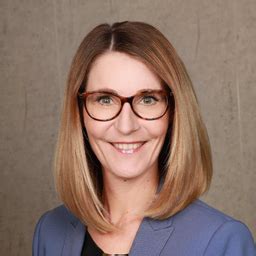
x: 52, y: 226
x: 211, y: 231
x: 199, y: 211
x: 56, y: 220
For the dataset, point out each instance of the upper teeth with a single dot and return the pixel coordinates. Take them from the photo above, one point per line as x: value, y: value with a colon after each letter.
x: 127, y: 146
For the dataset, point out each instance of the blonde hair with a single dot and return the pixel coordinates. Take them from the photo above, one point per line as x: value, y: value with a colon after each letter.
x: 185, y: 162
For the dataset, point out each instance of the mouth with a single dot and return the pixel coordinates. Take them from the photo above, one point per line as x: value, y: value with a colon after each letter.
x: 128, y: 148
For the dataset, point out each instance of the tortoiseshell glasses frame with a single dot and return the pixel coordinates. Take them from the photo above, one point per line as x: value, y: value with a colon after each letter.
x: 163, y: 93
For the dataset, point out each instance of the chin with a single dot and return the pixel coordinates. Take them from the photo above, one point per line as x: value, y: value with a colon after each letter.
x: 129, y: 176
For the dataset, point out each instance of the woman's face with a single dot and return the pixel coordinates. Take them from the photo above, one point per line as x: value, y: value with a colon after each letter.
x: 126, y: 75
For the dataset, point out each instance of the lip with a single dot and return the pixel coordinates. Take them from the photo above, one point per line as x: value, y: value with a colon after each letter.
x: 135, y: 151
x: 127, y: 142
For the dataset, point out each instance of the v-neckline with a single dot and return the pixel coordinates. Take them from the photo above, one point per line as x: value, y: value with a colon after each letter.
x: 91, y: 242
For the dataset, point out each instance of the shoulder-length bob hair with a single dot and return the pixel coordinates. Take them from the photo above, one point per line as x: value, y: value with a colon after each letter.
x: 185, y: 162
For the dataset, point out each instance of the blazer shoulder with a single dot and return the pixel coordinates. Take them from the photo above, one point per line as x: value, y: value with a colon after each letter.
x: 57, y: 218
x: 209, y: 230
x: 204, y: 216
x: 204, y: 210
x: 52, y: 226
x: 232, y: 238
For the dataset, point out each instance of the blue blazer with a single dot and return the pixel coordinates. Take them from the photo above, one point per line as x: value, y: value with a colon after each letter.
x: 195, y: 231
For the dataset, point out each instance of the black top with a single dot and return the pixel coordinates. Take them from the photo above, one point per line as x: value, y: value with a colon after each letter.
x: 90, y: 248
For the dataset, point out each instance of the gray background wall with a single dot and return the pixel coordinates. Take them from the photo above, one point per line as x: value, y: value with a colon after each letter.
x: 216, y: 40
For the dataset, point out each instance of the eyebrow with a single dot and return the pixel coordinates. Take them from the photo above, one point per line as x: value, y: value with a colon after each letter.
x: 115, y: 92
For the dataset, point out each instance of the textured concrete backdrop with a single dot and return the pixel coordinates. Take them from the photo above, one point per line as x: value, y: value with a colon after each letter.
x: 216, y: 40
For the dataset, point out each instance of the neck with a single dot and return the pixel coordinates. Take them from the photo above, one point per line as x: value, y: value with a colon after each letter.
x: 127, y: 199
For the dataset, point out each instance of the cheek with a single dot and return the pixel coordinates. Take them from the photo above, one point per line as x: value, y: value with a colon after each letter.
x: 159, y: 127
x: 94, y: 128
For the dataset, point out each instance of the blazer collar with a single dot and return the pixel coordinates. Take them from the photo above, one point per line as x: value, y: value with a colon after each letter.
x: 150, y: 238
x: 74, y: 239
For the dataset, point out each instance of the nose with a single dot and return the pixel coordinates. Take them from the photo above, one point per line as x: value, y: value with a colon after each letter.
x: 126, y: 122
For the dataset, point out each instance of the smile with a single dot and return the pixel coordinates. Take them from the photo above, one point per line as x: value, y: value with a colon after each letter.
x: 128, y: 148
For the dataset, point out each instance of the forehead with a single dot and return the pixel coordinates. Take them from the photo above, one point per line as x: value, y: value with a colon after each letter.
x: 122, y: 73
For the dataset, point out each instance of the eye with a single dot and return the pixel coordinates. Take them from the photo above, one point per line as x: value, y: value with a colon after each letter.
x: 149, y: 100
x: 104, y: 100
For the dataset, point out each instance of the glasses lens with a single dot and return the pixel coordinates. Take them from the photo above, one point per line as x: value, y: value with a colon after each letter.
x: 150, y: 105
x: 102, y: 106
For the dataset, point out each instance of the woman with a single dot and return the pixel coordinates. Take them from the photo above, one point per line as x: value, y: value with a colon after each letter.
x: 133, y: 156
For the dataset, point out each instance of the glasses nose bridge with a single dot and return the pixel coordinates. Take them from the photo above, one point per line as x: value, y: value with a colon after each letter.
x: 127, y: 99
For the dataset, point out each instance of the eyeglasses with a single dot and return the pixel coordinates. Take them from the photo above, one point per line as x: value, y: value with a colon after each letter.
x: 104, y: 105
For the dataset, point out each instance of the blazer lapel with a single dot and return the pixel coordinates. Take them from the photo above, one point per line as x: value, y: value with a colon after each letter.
x: 151, y: 237
x: 74, y: 238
